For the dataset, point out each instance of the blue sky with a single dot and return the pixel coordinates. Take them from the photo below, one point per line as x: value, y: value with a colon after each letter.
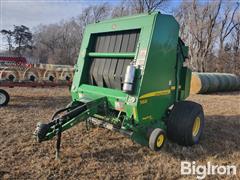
x: 34, y: 12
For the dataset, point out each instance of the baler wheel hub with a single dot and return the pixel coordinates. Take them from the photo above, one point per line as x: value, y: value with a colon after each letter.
x: 157, y: 139
x: 196, y: 126
x: 160, y: 140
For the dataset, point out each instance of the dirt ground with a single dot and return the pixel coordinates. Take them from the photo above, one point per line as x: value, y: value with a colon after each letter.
x: 101, y: 154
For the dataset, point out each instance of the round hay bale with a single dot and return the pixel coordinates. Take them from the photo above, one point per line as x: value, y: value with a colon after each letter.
x: 226, y: 81
x: 234, y: 82
x: 195, y: 84
x: 205, y: 82
x: 213, y: 83
x: 222, y: 82
x: 238, y: 83
x: 217, y: 82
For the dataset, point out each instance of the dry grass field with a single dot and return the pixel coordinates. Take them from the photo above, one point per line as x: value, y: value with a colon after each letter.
x: 101, y: 154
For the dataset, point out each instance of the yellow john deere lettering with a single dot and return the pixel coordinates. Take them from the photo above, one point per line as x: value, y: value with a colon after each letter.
x: 156, y: 93
x: 147, y: 117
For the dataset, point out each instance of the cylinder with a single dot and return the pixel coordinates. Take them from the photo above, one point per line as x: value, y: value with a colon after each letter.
x: 129, y: 79
x: 195, y: 83
x: 205, y: 82
x: 214, y: 82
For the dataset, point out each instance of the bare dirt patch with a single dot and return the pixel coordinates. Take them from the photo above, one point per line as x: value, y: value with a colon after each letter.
x: 101, y: 154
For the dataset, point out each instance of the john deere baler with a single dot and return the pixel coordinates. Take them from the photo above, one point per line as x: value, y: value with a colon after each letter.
x: 130, y: 78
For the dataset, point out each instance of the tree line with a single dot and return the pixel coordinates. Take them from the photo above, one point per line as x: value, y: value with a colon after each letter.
x: 210, y: 29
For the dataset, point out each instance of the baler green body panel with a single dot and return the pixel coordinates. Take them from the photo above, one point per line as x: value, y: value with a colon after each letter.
x: 157, y: 91
x: 160, y: 78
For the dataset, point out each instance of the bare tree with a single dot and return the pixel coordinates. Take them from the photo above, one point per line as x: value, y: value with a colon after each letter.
x: 235, y: 41
x: 140, y: 6
x: 122, y: 9
x: 91, y: 14
x: 48, y: 35
x: 198, y: 22
x: 227, y: 26
x: 69, y: 42
x: 60, y: 43
x: 227, y: 23
x: 205, y: 27
x: 94, y: 13
x: 236, y: 38
x: 9, y: 37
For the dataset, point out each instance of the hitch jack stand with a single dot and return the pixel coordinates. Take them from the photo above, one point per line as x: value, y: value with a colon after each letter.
x: 75, y: 115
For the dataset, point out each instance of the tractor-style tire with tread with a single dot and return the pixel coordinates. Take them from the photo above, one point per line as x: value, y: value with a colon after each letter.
x: 157, y: 139
x: 185, y: 123
x: 4, y: 98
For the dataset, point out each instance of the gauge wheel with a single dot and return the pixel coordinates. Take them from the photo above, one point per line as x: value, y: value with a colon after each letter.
x: 4, y: 98
x: 157, y: 139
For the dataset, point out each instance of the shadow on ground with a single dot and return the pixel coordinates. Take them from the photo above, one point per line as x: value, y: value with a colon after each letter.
x: 220, y: 133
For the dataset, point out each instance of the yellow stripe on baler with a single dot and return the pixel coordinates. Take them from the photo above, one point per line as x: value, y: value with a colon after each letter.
x: 156, y: 93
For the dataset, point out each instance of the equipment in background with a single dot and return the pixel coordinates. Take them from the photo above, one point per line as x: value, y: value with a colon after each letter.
x: 130, y: 78
x: 15, y: 72
x: 4, y: 98
x: 12, y: 61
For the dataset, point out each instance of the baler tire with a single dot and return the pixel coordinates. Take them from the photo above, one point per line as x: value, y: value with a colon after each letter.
x: 157, y: 139
x: 185, y: 123
x: 4, y: 98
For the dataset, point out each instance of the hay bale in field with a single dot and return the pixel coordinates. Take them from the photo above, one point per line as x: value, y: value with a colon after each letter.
x: 234, y: 81
x: 196, y: 84
x: 205, y: 82
x: 214, y: 82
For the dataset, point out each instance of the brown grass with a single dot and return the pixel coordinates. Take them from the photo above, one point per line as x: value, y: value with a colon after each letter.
x: 101, y: 154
